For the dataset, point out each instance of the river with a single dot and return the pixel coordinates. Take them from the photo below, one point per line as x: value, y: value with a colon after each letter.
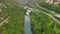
x: 27, y: 25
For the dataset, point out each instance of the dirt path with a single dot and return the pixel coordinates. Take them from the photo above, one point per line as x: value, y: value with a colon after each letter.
x: 49, y: 16
x: 4, y: 21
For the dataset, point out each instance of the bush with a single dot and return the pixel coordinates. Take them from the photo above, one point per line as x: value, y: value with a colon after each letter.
x: 15, y: 23
x: 43, y: 24
x: 50, y: 6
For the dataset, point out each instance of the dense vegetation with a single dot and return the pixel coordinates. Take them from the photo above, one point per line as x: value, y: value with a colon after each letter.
x: 49, y: 6
x: 36, y: 6
x: 40, y: 22
x: 43, y: 24
x: 16, y: 13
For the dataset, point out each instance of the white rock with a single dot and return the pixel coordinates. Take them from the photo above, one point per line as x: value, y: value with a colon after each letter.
x: 56, y: 3
x: 28, y: 10
x: 57, y: 15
